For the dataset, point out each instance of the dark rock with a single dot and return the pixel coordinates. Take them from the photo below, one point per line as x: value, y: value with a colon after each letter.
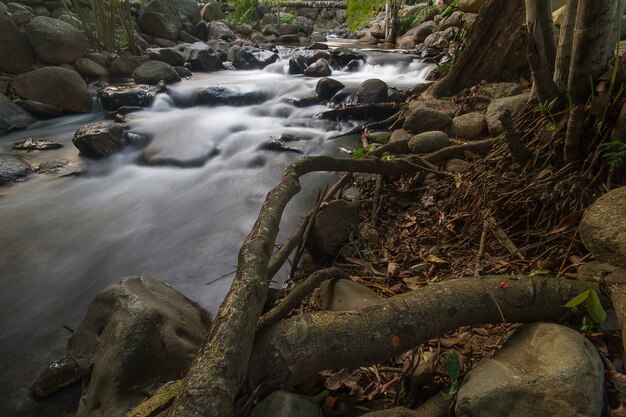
x: 112, y: 98
x: 456, y: 166
x: 90, y: 68
x: 126, y: 65
x: 340, y: 57
x: 36, y: 144
x: 285, y: 404
x: 318, y: 46
x: 58, y: 375
x: 152, y: 72
x: 468, y: 126
x: 219, y: 30
x: 538, y: 357
x: 40, y: 110
x: 163, y: 42
x: 427, y: 142
x: 603, y: 228
x: 249, y: 57
x: 12, y: 116
x: 305, y: 100
x: 219, y: 95
x: 137, y: 333
x: 327, y: 87
x: 278, y: 146
x: 212, y: 11
x: 12, y: 169
x: 499, y: 106
x: 319, y: 68
x: 21, y: 18
x: 183, y: 72
x: 270, y: 30
x: 454, y: 20
x: 297, y: 64
x: 201, y: 57
x: 289, y: 39
x: 16, y: 54
x: 160, y: 18
x: 399, y: 135
x: 397, y: 96
x: 332, y: 228
x: 53, y: 166
x: 54, y: 41
x: 422, y: 119
x: 168, y: 55
x: 188, y: 37
x: 56, y: 86
x: 346, y: 295
x: 220, y: 47
x: 372, y: 91
x: 100, y: 139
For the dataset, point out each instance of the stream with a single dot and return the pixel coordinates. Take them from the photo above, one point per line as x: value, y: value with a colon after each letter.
x: 64, y: 238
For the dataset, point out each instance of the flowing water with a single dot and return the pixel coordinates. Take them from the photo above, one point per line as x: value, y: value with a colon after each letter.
x: 65, y: 238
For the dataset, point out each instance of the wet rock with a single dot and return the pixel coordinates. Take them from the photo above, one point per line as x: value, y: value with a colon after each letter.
x: 12, y: 116
x: 346, y: 295
x: 423, y: 119
x: 39, y: 110
x: 152, y: 72
x: 54, y: 41
x: 427, y: 142
x: 219, y: 30
x: 340, y: 57
x: 21, y: 18
x: 319, y: 68
x: 332, y: 228
x: 126, y: 65
x: 160, y: 18
x: 16, y: 54
x: 249, y: 57
x: 36, y: 144
x: 56, y: 86
x: 270, y: 30
x: 13, y: 169
x: 372, y: 91
x: 100, y: 139
x: 499, y: 106
x: 327, y: 87
x: 368, y: 40
x: 113, y: 98
x: 603, y: 228
x: 302, y: 100
x: 456, y: 166
x: 168, y: 55
x: 543, y: 370
x: 297, y: 64
x: 53, y: 166
x: 216, y: 95
x: 285, y: 404
x: 137, y: 332
x: 90, y: 68
x: 201, y: 57
x: 499, y: 90
x: 468, y: 126
x: 178, y: 155
x: 293, y: 39
x: 278, y: 146
x: 211, y: 11
x: 58, y: 375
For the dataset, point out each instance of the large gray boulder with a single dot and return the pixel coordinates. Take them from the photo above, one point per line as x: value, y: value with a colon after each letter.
x: 201, y: 57
x: 426, y: 142
x: 423, y: 119
x: 543, y: 370
x: 468, y: 126
x: 603, y: 228
x: 160, y: 18
x: 12, y: 169
x: 99, y: 139
x: 219, y: 30
x: 372, y: 91
x: 327, y: 87
x: 499, y: 106
x: 16, y: 54
x: 55, y: 42
x: 12, y: 116
x: 249, y: 57
x: 56, y: 86
x: 151, y: 72
x: 319, y: 68
x: 212, y: 11
x: 126, y: 65
x: 137, y: 333
x: 332, y: 228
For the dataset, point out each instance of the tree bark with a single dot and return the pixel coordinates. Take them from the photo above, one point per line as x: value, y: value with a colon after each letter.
x: 541, y: 49
x: 483, y: 58
x: 564, y: 49
x: 295, y: 348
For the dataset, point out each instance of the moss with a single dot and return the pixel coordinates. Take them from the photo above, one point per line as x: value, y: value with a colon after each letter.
x: 159, y: 402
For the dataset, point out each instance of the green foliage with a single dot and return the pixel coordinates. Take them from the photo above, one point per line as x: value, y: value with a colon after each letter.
x: 614, y: 152
x: 454, y: 4
x: 359, y: 12
x: 242, y: 10
x: 545, y: 109
x: 594, y: 312
x: 289, y: 18
x: 539, y: 272
x: 361, y: 152
x: 453, y: 367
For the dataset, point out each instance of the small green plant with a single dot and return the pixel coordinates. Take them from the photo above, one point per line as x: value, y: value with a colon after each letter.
x: 594, y: 312
x: 361, y: 152
x: 546, y: 110
x: 242, y: 11
x: 454, y: 4
x: 614, y: 153
x: 288, y: 18
x: 453, y: 367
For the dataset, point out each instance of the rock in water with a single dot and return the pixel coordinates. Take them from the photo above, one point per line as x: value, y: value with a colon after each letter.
x: 138, y: 332
x: 12, y: 169
x: 327, y: 87
x: 603, y: 228
x: 113, y: 98
x: 372, y: 91
x: 12, y: 116
x: 36, y: 144
x: 319, y: 68
x: 99, y: 139
x: 58, y: 375
x: 249, y: 57
x: 54, y: 41
x: 543, y: 370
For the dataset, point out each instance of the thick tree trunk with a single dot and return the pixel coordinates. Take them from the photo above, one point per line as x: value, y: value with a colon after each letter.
x: 295, y: 348
x: 489, y: 41
x: 564, y: 49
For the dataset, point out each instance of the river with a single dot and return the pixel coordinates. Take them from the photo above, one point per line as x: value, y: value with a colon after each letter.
x: 66, y: 237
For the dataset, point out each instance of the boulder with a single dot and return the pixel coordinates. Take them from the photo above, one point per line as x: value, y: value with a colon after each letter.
x: 16, y: 54
x: 56, y: 86
x: 160, y: 18
x: 90, y: 68
x: 201, y: 57
x: 406, y: 42
x: 212, y: 11
x: 499, y: 90
x: 345, y: 295
x: 151, y: 72
x: 99, y: 139
x: 137, y: 333
x: 219, y: 95
x: 270, y: 29
x: 454, y: 20
x: 286, y: 404
x: 40, y: 110
x: 399, y: 135
x: 112, y: 98
x: 332, y: 228
x: 468, y: 126
x: 327, y: 87
x: 292, y: 39
x: 543, y: 370
x: 423, y: 119
x: 456, y: 166
x: 12, y: 116
x: 55, y: 42
x: 427, y: 142
x: 369, y: 40
x: 603, y: 228
x: 168, y: 55
x: 499, y: 106
x: 340, y: 57
x: 126, y: 65
x: 470, y: 6
x: 319, y: 68
x: 298, y: 64
x: 188, y: 10
x: 21, y: 18
x: 372, y: 91
x: 441, y: 40
x: 219, y: 30
x: 12, y: 169
x: 249, y: 57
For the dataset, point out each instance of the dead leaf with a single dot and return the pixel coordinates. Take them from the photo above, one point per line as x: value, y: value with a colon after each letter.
x: 337, y: 380
x: 433, y: 259
x: 480, y: 331
x: 414, y: 283
x: 448, y: 343
x: 358, y: 261
x: 566, y: 223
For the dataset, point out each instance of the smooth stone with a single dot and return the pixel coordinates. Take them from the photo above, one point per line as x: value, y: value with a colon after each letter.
x: 456, y: 166
x: 90, y: 68
x: 152, y: 72
x: 346, y: 295
x: 423, y: 119
x: 211, y: 11
x: 16, y: 54
x: 319, y: 68
x: 372, y: 91
x: 399, y: 135
x: 100, y: 139
x: 53, y: 166
x: 54, y: 41
x: 40, y: 110
x: 468, y: 126
x: 427, y: 142
x: 499, y: 90
x: 13, y: 169
x: 327, y: 87
x: 160, y: 18
x: 13, y: 116
x: 499, y: 106
x: 249, y: 57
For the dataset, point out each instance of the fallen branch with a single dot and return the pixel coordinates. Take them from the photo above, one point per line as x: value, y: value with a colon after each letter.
x: 374, y: 112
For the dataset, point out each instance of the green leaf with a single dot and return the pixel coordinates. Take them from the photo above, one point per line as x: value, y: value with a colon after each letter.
x: 449, y: 394
x: 537, y: 272
x: 386, y: 156
x: 579, y: 299
x: 453, y: 365
x: 594, y: 307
